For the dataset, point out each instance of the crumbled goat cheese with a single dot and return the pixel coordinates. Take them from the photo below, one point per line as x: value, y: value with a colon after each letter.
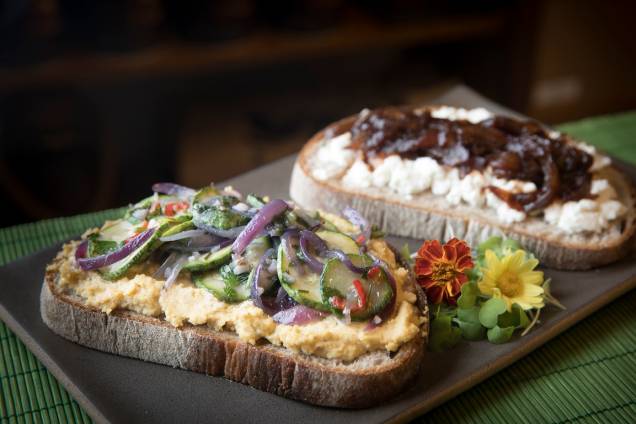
x: 586, y: 215
x: 514, y: 186
x: 409, y: 177
x: 333, y: 157
x: 505, y: 213
x: 358, y: 176
x: 455, y: 114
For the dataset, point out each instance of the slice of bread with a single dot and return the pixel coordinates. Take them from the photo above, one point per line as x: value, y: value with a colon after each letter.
x: 369, y: 379
x: 428, y: 216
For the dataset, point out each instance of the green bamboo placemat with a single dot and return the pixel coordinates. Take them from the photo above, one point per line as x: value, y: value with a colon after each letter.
x: 586, y: 375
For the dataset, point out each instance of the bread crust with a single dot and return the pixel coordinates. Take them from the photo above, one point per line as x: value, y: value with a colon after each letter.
x: 372, y: 378
x: 430, y: 217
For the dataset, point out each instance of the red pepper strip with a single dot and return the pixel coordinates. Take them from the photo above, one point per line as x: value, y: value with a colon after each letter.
x: 169, y: 209
x: 360, y: 240
x: 337, y: 302
x: 362, y: 296
x: 374, y: 272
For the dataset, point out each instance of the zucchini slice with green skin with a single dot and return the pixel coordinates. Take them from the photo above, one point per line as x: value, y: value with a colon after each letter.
x: 338, y: 281
x: 119, y: 268
x: 179, y: 227
x: 97, y: 247
x: 210, y: 260
x: 256, y: 249
x: 224, y: 284
x: 340, y: 241
x: 205, y: 193
x: 117, y: 231
x: 300, y: 283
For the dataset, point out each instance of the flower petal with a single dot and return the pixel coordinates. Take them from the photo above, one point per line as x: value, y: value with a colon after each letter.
x: 532, y: 277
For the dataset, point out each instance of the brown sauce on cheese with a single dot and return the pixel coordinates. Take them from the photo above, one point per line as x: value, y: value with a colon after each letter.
x: 514, y: 149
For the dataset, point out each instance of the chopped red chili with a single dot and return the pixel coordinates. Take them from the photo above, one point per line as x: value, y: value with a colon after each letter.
x: 362, y: 296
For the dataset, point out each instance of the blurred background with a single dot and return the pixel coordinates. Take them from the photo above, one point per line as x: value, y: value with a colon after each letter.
x: 98, y: 100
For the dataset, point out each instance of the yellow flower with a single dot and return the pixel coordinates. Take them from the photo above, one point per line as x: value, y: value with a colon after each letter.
x: 513, y: 279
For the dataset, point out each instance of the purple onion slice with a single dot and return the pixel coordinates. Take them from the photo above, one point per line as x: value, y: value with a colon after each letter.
x: 309, y: 240
x: 357, y: 219
x: 298, y: 315
x: 183, y: 193
x: 81, y: 250
x: 262, y: 281
x: 344, y: 258
x: 256, y: 226
x: 88, y: 264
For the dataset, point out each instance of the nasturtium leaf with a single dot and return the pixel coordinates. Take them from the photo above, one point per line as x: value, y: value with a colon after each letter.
x: 472, y: 330
x: 468, y: 314
x: 493, y: 243
x: 469, y: 296
x: 443, y: 334
x: 499, y: 335
x: 405, y: 253
x: 490, y: 311
x: 509, y: 246
x: 524, y: 321
x: 468, y: 321
x: 474, y: 274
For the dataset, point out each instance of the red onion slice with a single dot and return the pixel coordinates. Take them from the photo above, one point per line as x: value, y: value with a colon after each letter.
x: 173, y: 189
x: 263, y: 280
x: 357, y: 219
x: 264, y: 216
x: 307, y: 241
x: 342, y: 256
x: 88, y: 264
x: 170, y: 269
x: 298, y: 315
x: 81, y: 250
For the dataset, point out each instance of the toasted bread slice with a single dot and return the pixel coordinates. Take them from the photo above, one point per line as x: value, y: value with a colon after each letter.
x: 428, y: 216
x: 367, y: 380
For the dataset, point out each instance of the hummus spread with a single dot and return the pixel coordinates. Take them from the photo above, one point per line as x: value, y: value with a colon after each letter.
x: 184, y: 303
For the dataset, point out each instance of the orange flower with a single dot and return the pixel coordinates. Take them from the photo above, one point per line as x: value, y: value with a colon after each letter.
x: 440, y: 269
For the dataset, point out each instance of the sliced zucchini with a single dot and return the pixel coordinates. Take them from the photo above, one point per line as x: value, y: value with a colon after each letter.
x: 139, y: 206
x: 221, y: 216
x: 98, y: 247
x: 119, y: 268
x: 254, y: 201
x: 210, y: 260
x: 256, y: 249
x: 179, y: 227
x: 300, y: 283
x: 340, y: 241
x: 118, y: 231
x: 224, y: 284
x: 337, y: 282
x: 205, y: 194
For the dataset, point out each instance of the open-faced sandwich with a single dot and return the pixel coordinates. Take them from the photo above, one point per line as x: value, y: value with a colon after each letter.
x: 440, y: 172
x: 305, y: 305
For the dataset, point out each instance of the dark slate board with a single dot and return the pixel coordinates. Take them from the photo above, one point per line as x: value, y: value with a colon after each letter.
x: 117, y: 389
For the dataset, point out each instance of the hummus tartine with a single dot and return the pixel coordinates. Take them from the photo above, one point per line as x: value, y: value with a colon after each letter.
x: 311, y: 282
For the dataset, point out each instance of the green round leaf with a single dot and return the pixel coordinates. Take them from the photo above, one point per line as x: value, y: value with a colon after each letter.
x: 472, y: 330
x: 493, y: 243
x: 500, y: 335
x: 490, y: 311
x: 468, y: 297
x: 443, y: 334
x: 468, y: 314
